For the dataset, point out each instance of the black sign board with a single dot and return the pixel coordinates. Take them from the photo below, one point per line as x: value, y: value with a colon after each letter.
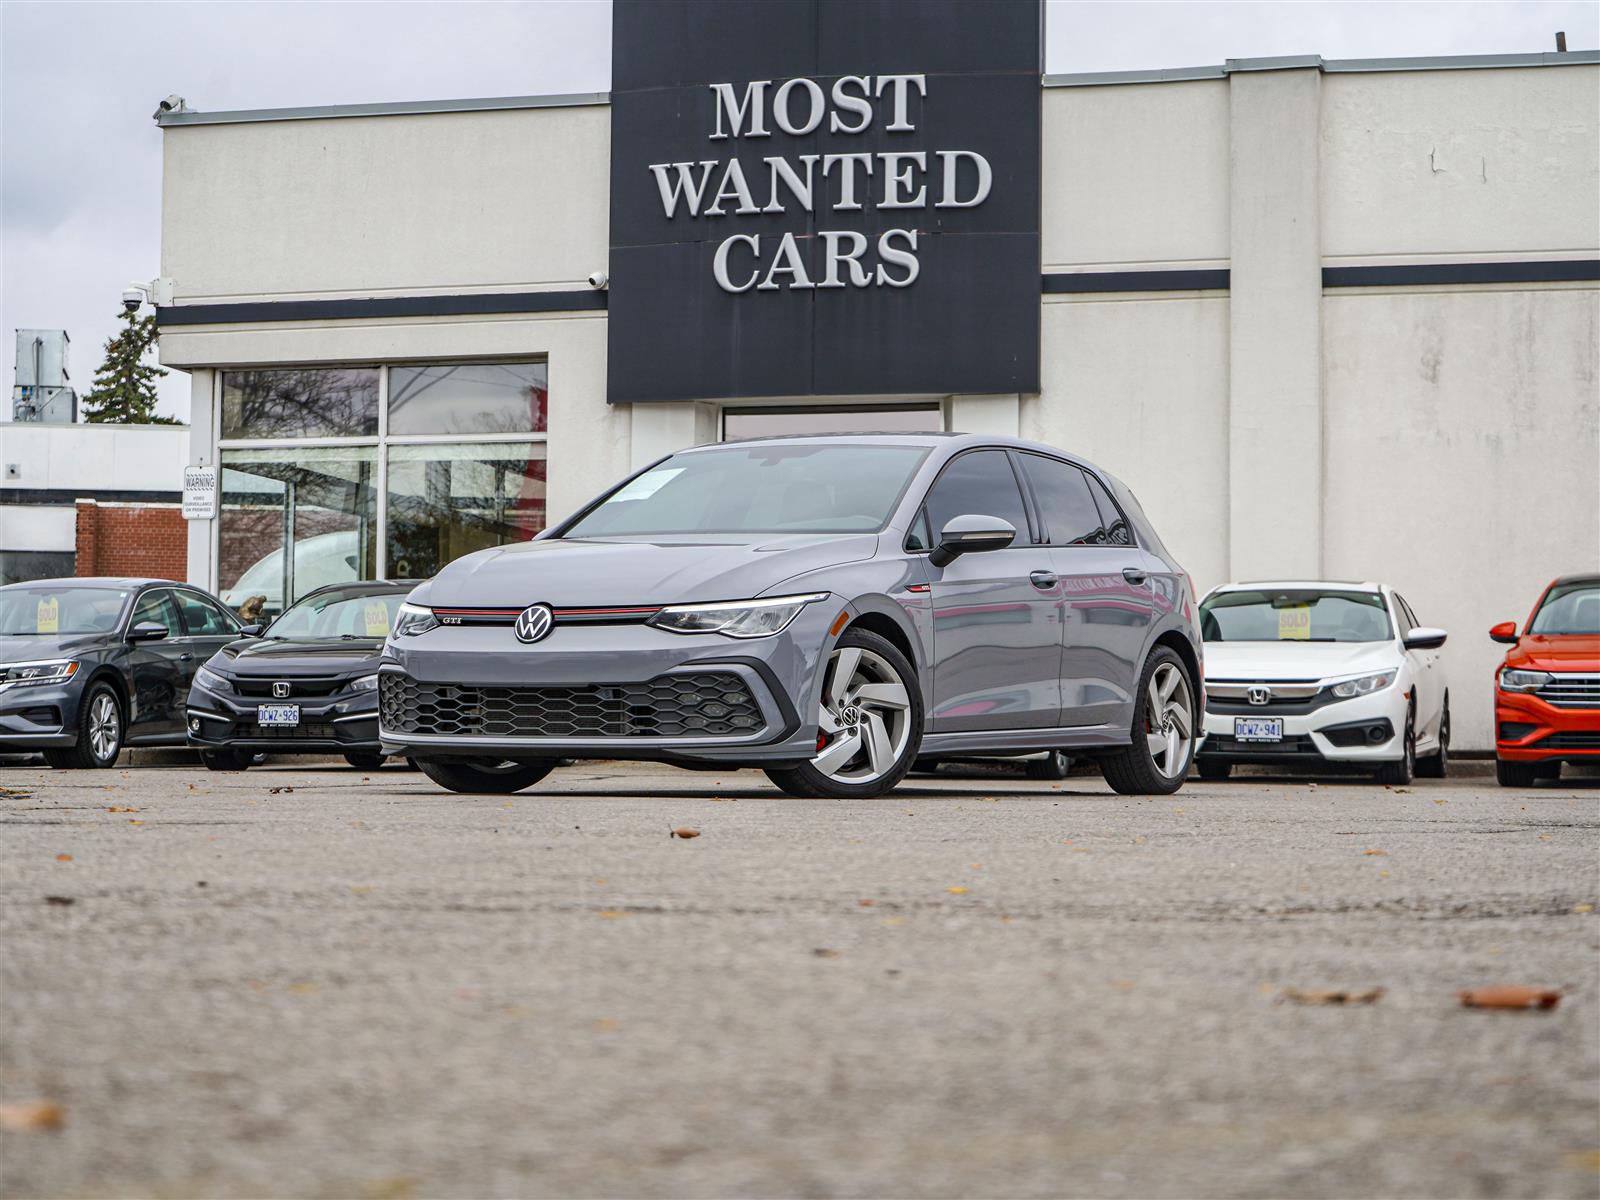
x: 824, y: 198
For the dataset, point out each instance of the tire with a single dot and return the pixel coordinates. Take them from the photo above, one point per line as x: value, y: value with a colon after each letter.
x: 1164, y: 712
x: 100, y: 726
x: 1400, y: 772
x: 1437, y: 765
x: 486, y: 776
x: 365, y: 762
x: 871, y: 740
x: 1054, y: 765
x: 1213, y: 769
x: 1515, y: 774
x: 226, y: 760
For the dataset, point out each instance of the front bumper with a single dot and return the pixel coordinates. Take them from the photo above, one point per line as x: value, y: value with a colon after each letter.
x: 586, y: 691
x: 344, y: 724
x: 40, y: 716
x: 1529, y: 729
x: 1363, y: 729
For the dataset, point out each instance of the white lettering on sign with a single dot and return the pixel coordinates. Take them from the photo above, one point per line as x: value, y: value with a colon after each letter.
x: 721, y: 189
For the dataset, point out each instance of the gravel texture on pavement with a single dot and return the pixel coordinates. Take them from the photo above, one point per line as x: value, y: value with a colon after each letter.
x: 308, y: 981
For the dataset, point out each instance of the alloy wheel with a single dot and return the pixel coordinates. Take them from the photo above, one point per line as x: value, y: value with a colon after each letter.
x: 105, y: 727
x: 864, y: 720
x: 1169, y: 720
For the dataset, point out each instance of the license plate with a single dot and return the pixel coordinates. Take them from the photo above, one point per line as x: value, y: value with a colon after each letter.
x: 277, y: 714
x: 1258, y: 729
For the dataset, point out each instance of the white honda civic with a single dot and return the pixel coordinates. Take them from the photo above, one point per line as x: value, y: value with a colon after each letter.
x: 1315, y: 673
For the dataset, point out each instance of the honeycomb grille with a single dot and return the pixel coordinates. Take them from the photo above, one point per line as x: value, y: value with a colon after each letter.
x: 708, y: 704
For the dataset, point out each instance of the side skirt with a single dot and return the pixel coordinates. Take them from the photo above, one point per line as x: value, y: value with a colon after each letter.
x: 976, y: 741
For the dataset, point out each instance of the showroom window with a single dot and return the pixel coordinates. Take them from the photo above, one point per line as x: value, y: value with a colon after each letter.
x: 331, y: 475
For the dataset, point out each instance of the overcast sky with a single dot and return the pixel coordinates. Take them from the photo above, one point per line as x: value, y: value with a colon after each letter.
x: 78, y: 82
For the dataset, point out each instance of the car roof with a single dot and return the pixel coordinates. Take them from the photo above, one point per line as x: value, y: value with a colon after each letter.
x: 97, y: 581
x: 365, y: 585
x: 1581, y: 577
x: 1302, y: 585
x: 954, y: 441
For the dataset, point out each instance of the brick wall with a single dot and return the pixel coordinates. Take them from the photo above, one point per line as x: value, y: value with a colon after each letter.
x: 149, y: 540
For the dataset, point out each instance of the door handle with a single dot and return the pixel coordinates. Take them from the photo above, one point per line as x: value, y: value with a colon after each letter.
x: 1134, y: 575
x: 1043, y: 580
x: 185, y: 657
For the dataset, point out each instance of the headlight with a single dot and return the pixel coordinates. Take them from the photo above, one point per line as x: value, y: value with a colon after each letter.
x: 211, y: 681
x: 367, y: 683
x: 40, y: 672
x: 1366, y: 685
x: 742, y: 619
x: 1523, y: 681
x: 411, y: 619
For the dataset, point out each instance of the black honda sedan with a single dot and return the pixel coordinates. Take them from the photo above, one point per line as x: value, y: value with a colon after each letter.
x: 90, y: 665
x: 308, y: 684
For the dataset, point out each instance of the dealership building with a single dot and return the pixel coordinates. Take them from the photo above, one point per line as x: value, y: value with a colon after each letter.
x: 1328, y: 319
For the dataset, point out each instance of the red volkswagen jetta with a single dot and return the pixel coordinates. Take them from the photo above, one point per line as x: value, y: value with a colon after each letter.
x: 1547, y: 692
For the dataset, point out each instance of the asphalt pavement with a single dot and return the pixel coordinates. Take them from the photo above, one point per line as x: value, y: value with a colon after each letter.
x: 307, y: 981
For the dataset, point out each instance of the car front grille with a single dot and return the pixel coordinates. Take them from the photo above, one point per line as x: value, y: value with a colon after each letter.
x: 298, y: 688
x: 1578, y: 739
x: 1571, y: 690
x: 701, y: 704
x: 1292, y: 744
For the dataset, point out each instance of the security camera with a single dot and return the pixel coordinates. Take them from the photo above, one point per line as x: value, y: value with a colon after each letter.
x: 132, y: 298
x: 598, y: 280
x: 173, y: 103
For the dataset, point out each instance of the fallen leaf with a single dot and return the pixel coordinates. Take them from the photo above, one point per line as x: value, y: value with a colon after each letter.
x: 303, y: 989
x: 121, y: 808
x: 1375, y: 853
x: 1510, y: 995
x: 133, y: 821
x: 1582, y: 1160
x: 1401, y: 791
x: 605, y: 1025
x: 273, y: 790
x: 63, y: 900
x: 956, y: 890
x: 824, y: 952
x: 892, y: 921
x: 1334, y: 996
x: 31, y: 1116
x: 1582, y: 908
x: 684, y: 833
x: 360, y: 889
x: 866, y: 903
x: 611, y: 914
x: 63, y: 858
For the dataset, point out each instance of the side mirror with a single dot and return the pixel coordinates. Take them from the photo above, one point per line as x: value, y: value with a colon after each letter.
x: 971, y: 534
x: 252, y: 630
x: 147, y: 631
x: 1423, y: 638
x: 1505, y: 632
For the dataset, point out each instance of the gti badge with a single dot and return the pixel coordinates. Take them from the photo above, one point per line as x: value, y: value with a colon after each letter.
x: 1259, y: 694
x: 534, y: 622
x: 280, y: 690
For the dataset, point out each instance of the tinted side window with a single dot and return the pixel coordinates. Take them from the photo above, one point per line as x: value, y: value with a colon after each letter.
x: 157, y: 607
x: 917, y: 536
x: 1069, y: 511
x: 980, y: 482
x: 204, y: 619
x: 1116, y: 531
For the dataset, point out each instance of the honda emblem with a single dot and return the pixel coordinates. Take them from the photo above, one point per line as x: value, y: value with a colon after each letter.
x: 1259, y: 695
x: 280, y: 690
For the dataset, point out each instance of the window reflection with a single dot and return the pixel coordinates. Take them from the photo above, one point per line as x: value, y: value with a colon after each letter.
x: 320, y: 500
x: 446, y: 501
x: 469, y: 398
x: 338, y: 402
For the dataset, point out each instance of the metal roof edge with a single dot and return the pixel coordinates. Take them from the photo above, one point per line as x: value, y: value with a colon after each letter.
x: 1332, y: 66
x: 243, y: 116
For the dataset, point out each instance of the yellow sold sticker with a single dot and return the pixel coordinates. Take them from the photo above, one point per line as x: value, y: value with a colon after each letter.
x: 1294, y: 624
x: 377, y: 615
x: 49, y: 619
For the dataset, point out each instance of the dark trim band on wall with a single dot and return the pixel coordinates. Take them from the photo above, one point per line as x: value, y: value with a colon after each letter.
x: 472, y: 304
x: 1408, y: 274
x: 67, y: 497
x: 1136, y: 281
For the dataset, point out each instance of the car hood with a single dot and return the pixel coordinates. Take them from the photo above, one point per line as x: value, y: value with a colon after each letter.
x: 1267, y: 661
x: 1560, y: 652
x: 259, y: 657
x: 597, y: 571
x: 33, y: 649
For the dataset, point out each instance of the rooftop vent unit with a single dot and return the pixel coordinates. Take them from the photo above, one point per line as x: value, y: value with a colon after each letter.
x: 42, y: 392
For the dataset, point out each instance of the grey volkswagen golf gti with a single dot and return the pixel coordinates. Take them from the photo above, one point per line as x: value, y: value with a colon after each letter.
x: 828, y: 609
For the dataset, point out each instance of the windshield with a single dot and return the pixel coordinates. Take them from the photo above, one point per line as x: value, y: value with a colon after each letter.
x: 1569, y: 608
x: 792, y: 487
x: 1294, y: 615
x: 345, y: 612
x: 59, y: 611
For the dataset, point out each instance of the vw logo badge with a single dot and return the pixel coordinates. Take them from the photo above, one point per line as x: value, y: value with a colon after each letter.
x: 280, y: 690
x: 1259, y: 695
x: 533, y: 623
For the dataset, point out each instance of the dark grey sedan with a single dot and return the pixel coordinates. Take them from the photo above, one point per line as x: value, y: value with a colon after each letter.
x: 90, y: 665
x: 828, y: 609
